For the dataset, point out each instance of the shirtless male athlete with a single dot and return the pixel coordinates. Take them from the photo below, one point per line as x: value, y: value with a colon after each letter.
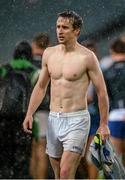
x: 70, y: 67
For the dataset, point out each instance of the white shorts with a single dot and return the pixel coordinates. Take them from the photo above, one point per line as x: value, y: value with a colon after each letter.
x: 67, y: 132
x: 117, y: 115
x: 41, y: 118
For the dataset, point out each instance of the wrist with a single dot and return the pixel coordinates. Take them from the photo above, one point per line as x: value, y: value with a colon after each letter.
x: 103, y: 123
x: 29, y: 114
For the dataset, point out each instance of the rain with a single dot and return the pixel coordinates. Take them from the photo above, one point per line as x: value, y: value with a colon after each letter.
x: 103, y: 20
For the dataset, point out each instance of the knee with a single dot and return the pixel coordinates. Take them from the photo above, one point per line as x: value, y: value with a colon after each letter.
x: 64, y: 172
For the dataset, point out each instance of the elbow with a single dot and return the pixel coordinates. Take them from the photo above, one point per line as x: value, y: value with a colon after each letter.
x: 41, y: 87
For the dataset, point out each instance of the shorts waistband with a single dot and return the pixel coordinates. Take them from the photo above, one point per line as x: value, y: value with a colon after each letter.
x: 68, y: 114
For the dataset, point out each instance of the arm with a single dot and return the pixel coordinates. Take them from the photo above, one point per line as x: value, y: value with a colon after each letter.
x: 37, y: 94
x: 96, y: 76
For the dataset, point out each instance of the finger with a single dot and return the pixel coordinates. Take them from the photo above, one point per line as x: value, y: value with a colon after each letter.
x: 104, y: 137
x: 30, y: 125
x: 28, y: 131
x: 25, y: 128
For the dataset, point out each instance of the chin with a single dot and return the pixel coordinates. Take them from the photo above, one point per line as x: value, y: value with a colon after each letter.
x: 61, y: 42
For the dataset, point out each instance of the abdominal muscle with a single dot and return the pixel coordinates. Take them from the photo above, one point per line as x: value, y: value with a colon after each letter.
x: 68, y: 96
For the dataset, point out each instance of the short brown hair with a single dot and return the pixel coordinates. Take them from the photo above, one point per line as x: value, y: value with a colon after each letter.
x: 42, y: 40
x: 118, y: 46
x: 74, y: 17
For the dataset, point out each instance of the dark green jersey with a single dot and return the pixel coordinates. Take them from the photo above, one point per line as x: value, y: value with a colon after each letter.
x: 115, y: 82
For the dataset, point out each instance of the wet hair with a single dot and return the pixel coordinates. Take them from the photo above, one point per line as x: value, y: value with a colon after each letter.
x: 118, y: 46
x: 73, y: 17
x: 23, y: 50
x: 42, y: 40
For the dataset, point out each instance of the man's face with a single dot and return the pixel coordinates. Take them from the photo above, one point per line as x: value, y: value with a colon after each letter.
x: 36, y: 50
x: 64, y: 30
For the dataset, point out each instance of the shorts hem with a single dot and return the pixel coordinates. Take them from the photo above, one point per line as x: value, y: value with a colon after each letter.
x: 73, y: 151
x: 53, y: 156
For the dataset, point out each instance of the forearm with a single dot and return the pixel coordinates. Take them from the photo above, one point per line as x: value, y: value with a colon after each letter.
x: 103, y: 103
x: 35, y: 99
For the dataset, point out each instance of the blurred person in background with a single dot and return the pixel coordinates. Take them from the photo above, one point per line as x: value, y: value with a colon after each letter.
x: 39, y: 159
x: 115, y: 81
x: 15, y: 79
x: 122, y: 37
x: 106, y: 61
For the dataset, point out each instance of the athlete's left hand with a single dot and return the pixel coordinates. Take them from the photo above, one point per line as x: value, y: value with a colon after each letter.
x: 104, y: 131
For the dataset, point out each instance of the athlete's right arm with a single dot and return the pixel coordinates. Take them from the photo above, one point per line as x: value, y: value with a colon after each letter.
x: 37, y: 94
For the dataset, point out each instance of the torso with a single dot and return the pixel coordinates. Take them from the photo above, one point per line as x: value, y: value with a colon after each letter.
x: 69, y: 79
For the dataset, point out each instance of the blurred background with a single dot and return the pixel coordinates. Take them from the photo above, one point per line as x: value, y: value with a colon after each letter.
x: 103, y: 21
x: 21, y: 19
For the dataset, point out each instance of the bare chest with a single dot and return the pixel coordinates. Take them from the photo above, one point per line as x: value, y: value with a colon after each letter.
x: 69, y: 68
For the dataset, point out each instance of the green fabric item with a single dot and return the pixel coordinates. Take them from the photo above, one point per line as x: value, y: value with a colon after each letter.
x: 35, y: 129
x: 3, y: 72
x: 23, y: 64
x: 20, y: 64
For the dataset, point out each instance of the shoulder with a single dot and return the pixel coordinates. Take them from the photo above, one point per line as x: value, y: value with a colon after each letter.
x: 86, y: 52
x: 88, y: 55
x: 50, y: 50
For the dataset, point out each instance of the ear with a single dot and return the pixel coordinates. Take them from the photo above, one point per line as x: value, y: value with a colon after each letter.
x: 77, y: 32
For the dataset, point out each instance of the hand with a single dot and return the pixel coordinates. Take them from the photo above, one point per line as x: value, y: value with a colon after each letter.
x: 104, y: 131
x: 27, y: 124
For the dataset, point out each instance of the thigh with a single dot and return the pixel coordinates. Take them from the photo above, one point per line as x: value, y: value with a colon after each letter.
x: 34, y: 147
x: 90, y: 138
x: 55, y: 163
x: 117, y: 143
x: 70, y: 160
x: 54, y: 147
x: 41, y: 147
x: 76, y: 138
x: 123, y: 150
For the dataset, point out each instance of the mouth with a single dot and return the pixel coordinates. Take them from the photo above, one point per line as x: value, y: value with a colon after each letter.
x: 61, y: 38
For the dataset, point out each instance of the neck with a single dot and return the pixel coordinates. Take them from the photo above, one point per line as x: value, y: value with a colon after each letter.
x: 69, y: 47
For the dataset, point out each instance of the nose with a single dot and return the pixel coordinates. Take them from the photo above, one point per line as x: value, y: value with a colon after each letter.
x: 60, y: 30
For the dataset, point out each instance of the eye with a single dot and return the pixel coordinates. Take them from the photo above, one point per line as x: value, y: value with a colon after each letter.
x: 58, y: 26
x: 65, y: 27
